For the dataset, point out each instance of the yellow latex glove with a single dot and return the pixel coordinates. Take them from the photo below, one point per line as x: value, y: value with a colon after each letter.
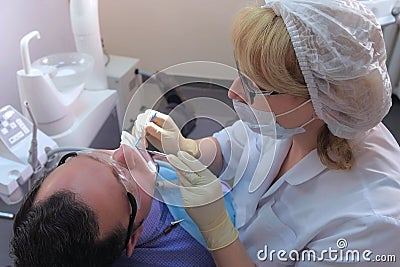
x: 203, y: 200
x: 164, y: 134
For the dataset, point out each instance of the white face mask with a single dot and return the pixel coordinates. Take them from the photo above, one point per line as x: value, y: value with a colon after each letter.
x: 264, y: 122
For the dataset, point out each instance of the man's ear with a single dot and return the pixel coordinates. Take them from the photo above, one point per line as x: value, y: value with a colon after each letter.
x: 132, y: 242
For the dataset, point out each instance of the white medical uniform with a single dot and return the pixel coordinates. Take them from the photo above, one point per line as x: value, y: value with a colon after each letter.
x: 312, y: 209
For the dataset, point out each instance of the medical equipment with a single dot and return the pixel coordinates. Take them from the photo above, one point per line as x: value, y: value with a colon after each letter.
x: 67, y: 70
x: 167, y: 184
x: 37, y: 85
x: 166, y: 231
x: 86, y: 31
x: 157, y: 153
x: 23, y: 150
x: 123, y: 76
x: 54, y: 85
x: 384, y: 10
x: 6, y: 215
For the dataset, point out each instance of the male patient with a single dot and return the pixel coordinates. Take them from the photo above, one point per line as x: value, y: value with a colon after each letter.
x: 90, y: 210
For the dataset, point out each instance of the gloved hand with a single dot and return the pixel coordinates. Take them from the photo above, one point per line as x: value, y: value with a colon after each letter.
x: 203, y: 201
x: 139, y: 128
x: 164, y: 134
x: 127, y: 139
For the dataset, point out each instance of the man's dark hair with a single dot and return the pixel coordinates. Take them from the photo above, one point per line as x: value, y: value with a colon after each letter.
x: 61, y: 231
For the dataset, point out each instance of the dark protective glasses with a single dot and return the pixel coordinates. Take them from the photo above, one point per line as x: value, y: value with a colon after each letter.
x: 251, y: 89
x: 122, y: 174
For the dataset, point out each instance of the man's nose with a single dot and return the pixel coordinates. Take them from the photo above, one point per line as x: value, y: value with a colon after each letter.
x: 118, y: 155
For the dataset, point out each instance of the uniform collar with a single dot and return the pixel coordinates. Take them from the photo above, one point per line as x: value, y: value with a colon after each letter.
x: 306, y: 169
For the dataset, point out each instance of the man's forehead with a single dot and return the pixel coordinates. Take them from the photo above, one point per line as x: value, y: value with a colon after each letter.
x: 82, y: 175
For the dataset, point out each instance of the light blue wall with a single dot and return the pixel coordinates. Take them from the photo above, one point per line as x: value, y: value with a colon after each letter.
x: 17, y: 18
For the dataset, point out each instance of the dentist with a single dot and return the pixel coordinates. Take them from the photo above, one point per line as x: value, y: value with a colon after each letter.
x: 315, y: 172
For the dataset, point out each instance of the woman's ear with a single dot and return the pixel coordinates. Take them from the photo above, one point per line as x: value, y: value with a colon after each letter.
x: 133, y: 241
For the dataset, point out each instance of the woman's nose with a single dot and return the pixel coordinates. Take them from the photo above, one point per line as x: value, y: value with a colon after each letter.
x: 236, y: 90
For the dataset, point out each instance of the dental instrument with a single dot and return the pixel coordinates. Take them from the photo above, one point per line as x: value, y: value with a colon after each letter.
x: 172, y: 226
x: 166, y: 231
x: 157, y: 153
x: 138, y: 141
x: 6, y: 215
x: 167, y: 184
x: 33, y: 153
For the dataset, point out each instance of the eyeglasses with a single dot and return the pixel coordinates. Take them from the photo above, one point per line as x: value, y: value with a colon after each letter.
x: 122, y: 174
x: 251, y: 89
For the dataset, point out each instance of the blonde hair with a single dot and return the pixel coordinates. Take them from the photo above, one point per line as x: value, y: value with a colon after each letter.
x: 265, y: 53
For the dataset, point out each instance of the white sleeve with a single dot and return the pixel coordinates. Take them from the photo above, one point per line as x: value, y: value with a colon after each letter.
x: 232, y: 141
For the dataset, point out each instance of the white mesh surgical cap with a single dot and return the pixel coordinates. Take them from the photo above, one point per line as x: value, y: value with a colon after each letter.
x: 340, y: 48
